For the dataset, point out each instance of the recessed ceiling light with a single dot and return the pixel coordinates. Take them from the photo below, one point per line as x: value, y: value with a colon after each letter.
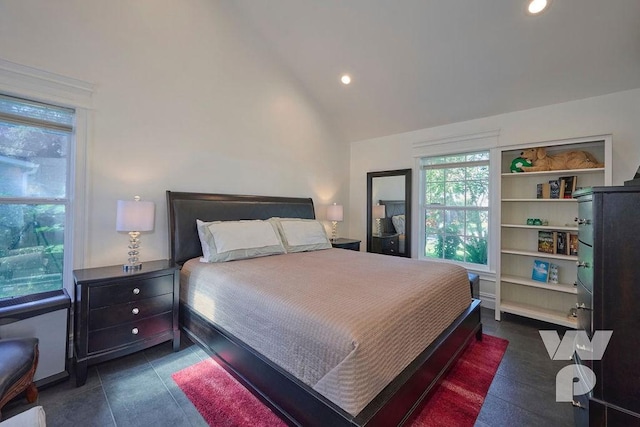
x: 345, y: 79
x: 535, y: 7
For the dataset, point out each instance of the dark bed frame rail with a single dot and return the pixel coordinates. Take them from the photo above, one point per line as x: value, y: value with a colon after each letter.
x: 295, y: 402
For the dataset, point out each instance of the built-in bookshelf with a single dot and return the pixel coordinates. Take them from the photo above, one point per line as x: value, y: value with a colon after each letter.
x: 516, y: 291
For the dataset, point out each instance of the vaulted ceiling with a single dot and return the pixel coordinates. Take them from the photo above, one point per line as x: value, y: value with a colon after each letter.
x: 422, y: 63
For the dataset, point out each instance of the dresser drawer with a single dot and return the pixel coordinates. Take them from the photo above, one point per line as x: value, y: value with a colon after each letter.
x: 122, y: 313
x: 580, y: 401
x: 585, y: 265
x: 585, y: 309
x: 124, y: 291
x: 585, y: 222
x: 128, y: 333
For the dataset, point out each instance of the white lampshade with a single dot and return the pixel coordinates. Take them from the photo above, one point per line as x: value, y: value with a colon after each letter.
x: 135, y: 215
x: 378, y: 211
x: 335, y: 212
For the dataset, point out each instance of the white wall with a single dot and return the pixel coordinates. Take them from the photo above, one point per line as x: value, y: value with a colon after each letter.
x: 617, y: 114
x: 187, y: 99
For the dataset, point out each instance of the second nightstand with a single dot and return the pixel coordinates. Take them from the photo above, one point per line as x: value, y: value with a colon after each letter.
x: 343, y: 243
x: 118, y: 313
x: 385, y: 244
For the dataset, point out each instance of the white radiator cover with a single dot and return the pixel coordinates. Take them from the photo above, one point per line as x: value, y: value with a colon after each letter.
x: 46, y: 320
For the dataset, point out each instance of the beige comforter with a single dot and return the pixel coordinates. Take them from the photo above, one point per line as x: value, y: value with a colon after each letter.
x: 344, y: 322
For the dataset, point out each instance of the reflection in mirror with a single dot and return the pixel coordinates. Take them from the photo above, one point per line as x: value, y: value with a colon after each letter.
x: 389, y: 212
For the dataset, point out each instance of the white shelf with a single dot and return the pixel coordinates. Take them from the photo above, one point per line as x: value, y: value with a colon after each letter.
x: 563, y: 172
x: 540, y: 254
x: 541, y: 200
x: 556, y: 287
x: 542, y: 227
x: 516, y: 292
x: 539, y: 313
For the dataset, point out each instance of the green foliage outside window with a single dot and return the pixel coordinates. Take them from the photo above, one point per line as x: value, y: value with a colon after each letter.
x: 456, y: 201
x: 34, y: 147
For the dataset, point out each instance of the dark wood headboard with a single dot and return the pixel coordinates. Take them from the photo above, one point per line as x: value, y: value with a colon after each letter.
x: 392, y: 208
x: 185, y: 208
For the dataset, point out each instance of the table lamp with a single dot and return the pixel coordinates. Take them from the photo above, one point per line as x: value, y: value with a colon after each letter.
x: 378, y: 214
x: 134, y: 216
x: 334, y: 214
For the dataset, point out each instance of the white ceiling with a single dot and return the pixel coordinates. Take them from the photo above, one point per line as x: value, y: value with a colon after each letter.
x: 422, y: 63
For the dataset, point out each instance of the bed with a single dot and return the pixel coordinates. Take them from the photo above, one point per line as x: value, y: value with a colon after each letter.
x: 296, y: 397
x: 394, y: 220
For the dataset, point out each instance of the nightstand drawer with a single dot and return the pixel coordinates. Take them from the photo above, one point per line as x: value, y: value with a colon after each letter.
x: 124, y: 291
x: 111, y: 316
x: 128, y: 333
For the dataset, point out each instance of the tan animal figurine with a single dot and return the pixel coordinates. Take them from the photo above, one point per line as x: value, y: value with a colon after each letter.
x: 542, y: 161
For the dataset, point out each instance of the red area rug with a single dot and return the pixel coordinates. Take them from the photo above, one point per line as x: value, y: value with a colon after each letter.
x: 222, y: 401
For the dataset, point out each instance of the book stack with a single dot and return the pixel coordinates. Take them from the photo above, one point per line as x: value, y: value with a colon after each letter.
x: 557, y: 242
x: 561, y: 188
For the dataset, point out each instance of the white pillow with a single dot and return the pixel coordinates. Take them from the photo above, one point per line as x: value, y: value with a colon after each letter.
x: 231, y: 240
x: 299, y: 235
x: 202, y: 234
x: 398, y: 223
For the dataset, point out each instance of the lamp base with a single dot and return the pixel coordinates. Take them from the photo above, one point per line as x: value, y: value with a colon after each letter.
x: 129, y: 268
x: 334, y: 231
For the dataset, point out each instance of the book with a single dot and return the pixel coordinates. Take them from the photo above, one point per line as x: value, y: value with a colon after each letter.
x: 540, y: 271
x: 556, y: 189
x: 573, y: 244
x: 547, y: 242
x: 562, y: 243
x: 570, y: 185
x: 543, y: 191
x: 553, y: 273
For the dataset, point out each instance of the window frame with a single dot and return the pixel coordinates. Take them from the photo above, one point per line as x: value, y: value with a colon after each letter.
x: 439, y: 145
x: 424, y: 207
x: 38, y: 85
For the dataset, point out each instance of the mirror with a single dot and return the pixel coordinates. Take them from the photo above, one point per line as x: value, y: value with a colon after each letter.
x: 389, y: 212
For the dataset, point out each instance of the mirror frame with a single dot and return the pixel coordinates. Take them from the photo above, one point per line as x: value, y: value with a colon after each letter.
x: 407, y: 208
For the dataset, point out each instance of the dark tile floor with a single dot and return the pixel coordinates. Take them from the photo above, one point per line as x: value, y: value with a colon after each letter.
x: 137, y: 390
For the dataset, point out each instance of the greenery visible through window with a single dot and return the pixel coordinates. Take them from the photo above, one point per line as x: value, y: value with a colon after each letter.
x: 35, y: 140
x: 456, y: 207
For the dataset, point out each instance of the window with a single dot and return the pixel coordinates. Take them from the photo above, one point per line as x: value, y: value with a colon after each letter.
x: 455, y: 205
x: 36, y: 140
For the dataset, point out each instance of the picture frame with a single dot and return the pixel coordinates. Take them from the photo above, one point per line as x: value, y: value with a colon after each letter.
x: 540, y: 272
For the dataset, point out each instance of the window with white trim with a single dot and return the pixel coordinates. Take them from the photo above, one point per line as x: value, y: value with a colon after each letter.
x: 36, y: 142
x: 455, y: 207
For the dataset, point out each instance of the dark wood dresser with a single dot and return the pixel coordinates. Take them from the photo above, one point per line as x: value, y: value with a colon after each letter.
x: 608, y: 298
x: 118, y: 313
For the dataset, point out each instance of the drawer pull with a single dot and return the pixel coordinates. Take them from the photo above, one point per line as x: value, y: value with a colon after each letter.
x: 576, y: 404
x: 582, y: 221
x: 135, y: 310
x: 582, y: 264
x: 136, y: 291
x: 582, y: 307
x: 134, y: 331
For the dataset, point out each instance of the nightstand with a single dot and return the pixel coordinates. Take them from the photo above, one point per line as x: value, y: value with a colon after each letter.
x: 119, y: 313
x: 343, y: 243
x: 385, y: 244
